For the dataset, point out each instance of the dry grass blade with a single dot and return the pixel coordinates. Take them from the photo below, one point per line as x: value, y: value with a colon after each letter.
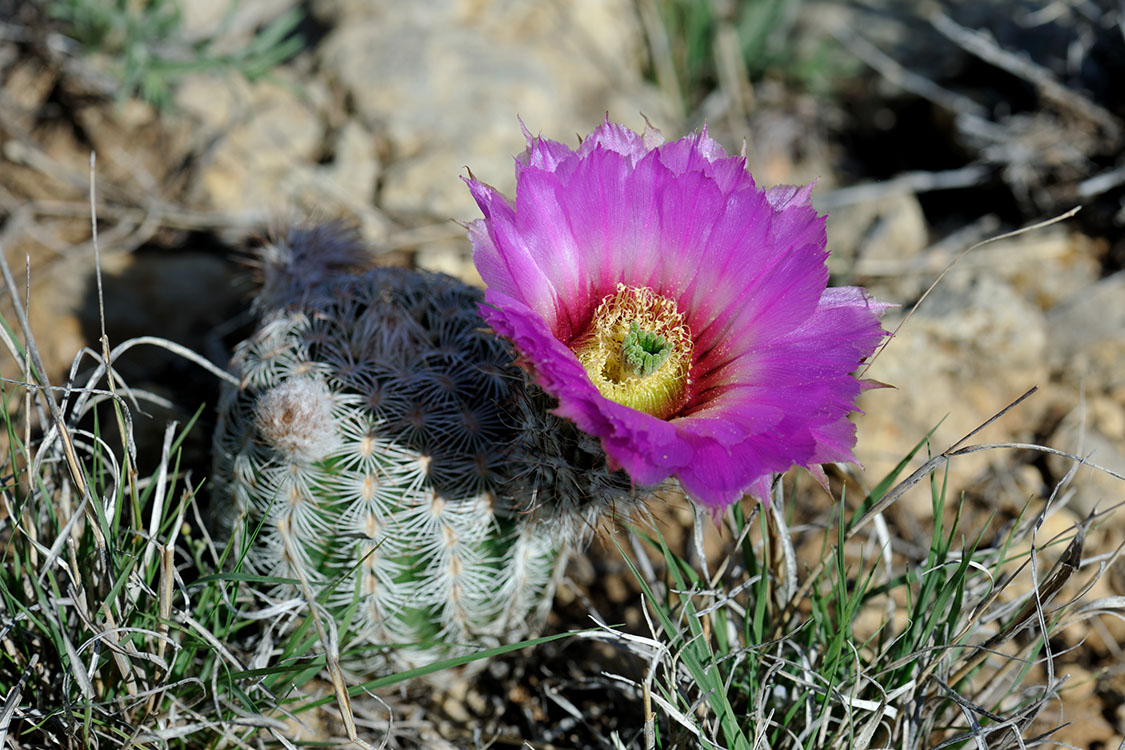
x: 660, y: 48
x: 1079, y: 460
x: 904, y: 183
x: 107, y: 651
x: 12, y: 700
x: 1065, y: 567
x: 967, y: 631
x: 876, y: 510
x: 783, y: 555
x: 326, y: 629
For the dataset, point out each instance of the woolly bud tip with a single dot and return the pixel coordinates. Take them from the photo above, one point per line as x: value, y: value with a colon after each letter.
x: 307, y: 257
x: 295, y: 418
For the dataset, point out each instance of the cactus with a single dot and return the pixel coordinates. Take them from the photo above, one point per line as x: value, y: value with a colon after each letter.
x: 384, y: 448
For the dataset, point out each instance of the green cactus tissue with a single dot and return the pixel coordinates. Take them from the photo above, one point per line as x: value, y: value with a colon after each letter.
x: 384, y: 447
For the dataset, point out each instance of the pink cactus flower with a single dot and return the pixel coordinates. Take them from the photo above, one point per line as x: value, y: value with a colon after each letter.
x: 675, y: 310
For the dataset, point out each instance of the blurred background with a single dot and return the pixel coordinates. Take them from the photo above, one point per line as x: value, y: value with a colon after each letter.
x: 927, y: 126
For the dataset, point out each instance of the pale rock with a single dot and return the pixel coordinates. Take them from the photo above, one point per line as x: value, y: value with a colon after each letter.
x: 449, y: 257
x: 215, y: 101
x: 26, y: 88
x: 884, y: 243
x: 881, y: 239
x: 346, y: 186
x: 1087, y: 336
x: 355, y: 166
x: 453, y: 703
x: 1050, y: 266
x: 872, y: 619
x: 202, y: 19
x: 972, y: 347
x: 1081, y: 723
x: 589, y: 37
x: 337, y: 13
x: 1011, y: 493
x: 1045, y: 267
x: 265, y: 137
x: 445, y: 83
x: 604, y: 28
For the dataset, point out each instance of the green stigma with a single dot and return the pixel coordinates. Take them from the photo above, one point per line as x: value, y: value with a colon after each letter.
x: 637, y: 351
x: 644, y: 351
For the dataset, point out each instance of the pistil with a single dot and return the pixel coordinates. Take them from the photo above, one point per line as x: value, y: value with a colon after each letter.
x: 637, y: 351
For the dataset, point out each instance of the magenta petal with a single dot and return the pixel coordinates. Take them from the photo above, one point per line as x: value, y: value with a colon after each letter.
x: 775, y: 352
x: 720, y: 475
x: 584, y: 231
x: 505, y: 257
x: 617, y: 138
x: 694, y: 153
x: 834, y: 442
x: 542, y: 154
x: 782, y: 197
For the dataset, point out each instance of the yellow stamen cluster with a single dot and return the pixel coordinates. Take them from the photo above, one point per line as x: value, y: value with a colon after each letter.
x: 637, y: 351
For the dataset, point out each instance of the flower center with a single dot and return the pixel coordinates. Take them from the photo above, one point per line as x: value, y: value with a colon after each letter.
x: 637, y: 351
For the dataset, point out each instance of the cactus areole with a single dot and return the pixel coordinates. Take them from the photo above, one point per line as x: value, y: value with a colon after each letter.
x: 384, y: 448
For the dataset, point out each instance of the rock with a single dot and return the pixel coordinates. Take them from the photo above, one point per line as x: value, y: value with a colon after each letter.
x: 1044, y: 267
x: 445, y: 82
x: 214, y: 101
x: 265, y: 137
x: 341, y: 12
x: 982, y: 338
x: 451, y: 257
x: 971, y: 348
x: 884, y: 245
x: 57, y: 334
x: 346, y: 186
x: 355, y: 166
x: 881, y: 239
x: 1048, y: 267
x: 1087, y: 336
x: 1085, y: 720
x: 604, y: 28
